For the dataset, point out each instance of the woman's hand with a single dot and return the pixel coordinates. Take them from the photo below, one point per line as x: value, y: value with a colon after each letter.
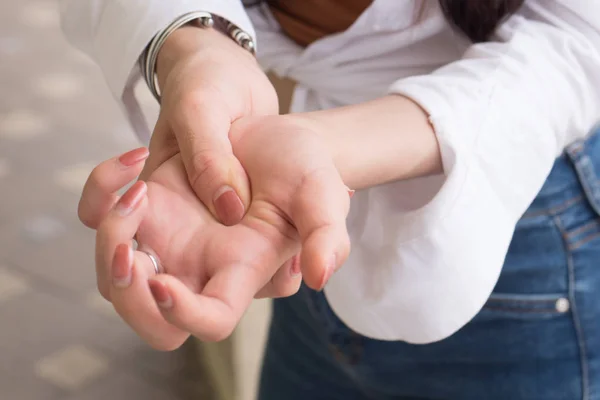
x: 211, y: 272
x: 207, y: 82
x: 294, y: 178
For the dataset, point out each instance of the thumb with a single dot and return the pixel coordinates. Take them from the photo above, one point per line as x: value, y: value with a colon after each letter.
x: 163, y: 146
x: 319, y: 213
x: 215, y: 174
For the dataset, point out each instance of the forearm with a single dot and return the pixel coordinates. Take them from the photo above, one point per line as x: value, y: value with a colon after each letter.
x: 380, y: 141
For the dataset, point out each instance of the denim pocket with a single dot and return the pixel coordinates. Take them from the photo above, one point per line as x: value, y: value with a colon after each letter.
x: 526, y: 306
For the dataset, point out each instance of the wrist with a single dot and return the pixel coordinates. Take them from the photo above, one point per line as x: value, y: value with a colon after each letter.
x: 192, y: 41
x: 378, y: 142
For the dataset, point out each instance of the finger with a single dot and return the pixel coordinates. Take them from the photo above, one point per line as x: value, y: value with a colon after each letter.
x: 99, y: 193
x: 124, y: 273
x: 163, y: 146
x: 119, y: 226
x: 133, y: 301
x: 286, y: 281
x: 215, y: 174
x: 319, y: 213
x: 212, y: 315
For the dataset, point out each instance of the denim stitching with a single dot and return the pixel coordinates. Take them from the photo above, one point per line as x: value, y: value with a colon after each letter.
x: 529, y: 298
x: 584, y: 228
x: 555, y: 209
x: 576, y: 321
x: 583, y: 241
x: 520, y: 306
x: 515, y: 310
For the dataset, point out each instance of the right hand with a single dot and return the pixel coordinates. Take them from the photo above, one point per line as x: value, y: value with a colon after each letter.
x: 207, y: 82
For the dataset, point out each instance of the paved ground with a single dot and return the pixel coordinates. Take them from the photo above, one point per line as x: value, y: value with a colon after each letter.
x: 58, y: 338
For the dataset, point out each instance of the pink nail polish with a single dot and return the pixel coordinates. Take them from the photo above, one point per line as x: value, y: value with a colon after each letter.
x: 350, y: 192
x: 161, y: 294
x: 133, y: 157
x: 130, y: 200
x: 295, y: 267
x: 331, y: 267
x: 228, y: 206
x: 121, y: 266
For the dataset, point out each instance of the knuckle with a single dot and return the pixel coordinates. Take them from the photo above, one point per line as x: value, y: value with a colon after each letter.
x: 85, y: 217
x: 279, y: 290
x: 221, y: 334
x: 95, y: 179
x: 102, y: 237
x: 204, y: 168
x: 287, y: 289
x: 220, y: 331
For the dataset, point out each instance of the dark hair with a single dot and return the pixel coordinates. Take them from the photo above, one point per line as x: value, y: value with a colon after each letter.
x: 477, y: 19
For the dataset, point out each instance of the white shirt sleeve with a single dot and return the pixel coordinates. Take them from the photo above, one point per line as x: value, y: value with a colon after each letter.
x: 114, y: 33
x: 502, y: 114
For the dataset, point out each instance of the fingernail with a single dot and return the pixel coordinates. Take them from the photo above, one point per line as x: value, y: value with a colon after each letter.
x: 331, y: 267
x: 161, y: 294
x: 228, y: 206
x: 129, y: 201
x: 121, y: 267
x: 134, y: 156
x: 295, y: 268
x: 350, y: 192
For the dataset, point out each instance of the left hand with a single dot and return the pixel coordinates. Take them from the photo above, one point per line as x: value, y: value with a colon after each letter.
x: 212, y: 272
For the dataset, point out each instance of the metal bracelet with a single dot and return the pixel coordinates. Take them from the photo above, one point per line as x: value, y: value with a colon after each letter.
x: 241, y: 37
x: 205, y: 20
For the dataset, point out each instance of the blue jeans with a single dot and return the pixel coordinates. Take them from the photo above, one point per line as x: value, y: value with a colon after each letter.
x: 537, y: 338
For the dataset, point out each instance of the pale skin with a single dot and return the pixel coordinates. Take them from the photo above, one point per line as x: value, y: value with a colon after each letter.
x: 300, y: 168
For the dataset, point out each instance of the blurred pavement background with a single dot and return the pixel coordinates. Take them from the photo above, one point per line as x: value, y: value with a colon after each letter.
x: 58, y: 338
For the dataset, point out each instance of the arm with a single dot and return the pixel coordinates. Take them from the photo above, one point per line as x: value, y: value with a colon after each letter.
x: 393, y: 154
x: 501, y: 116
x: 115, y: 32
x: 207, y: 81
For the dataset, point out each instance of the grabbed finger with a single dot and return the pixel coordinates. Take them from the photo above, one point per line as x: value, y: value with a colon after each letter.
x: 132, y: 299
x: 213, y: 314
x: 119, y: 226
x: 286, y: 281
x: 319, y: 213
x: 100, y: 191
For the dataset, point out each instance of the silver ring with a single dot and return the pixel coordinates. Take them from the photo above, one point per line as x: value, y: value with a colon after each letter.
x: 154, y: 262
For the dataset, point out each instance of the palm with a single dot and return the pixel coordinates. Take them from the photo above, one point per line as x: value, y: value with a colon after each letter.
x: 212, y: 272
x: 294, y: 178
x: 193, y: 246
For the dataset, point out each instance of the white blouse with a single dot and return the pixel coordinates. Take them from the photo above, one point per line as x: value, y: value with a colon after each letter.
x: 426, y: 253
